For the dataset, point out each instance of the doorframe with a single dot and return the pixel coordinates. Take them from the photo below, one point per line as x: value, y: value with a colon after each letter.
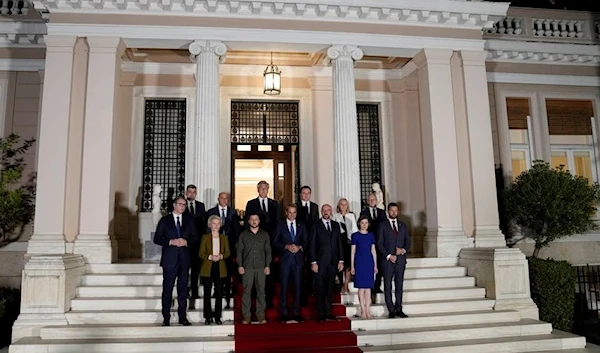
x: 305, y: 121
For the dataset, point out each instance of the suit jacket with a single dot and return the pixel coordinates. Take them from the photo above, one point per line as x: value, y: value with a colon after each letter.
x: 166, y: 230
x: 231, y: 228
x: 324, y: 247
x: 199, y: 216
x: 283, y: 237
x: 310, y: 218
x: 206, y: 250
x: 388, y: 241
x: 268, y: 220
x: 374, y: 223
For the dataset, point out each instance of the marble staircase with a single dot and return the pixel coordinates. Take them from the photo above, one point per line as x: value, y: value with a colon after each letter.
x: 117, y: 309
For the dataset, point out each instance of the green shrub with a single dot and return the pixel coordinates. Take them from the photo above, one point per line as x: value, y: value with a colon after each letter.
x: 10, y: 300
x: 553, y: 290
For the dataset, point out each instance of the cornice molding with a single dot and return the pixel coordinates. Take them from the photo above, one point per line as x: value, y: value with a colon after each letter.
x: 446, y: 13
x: 537, y: 79
x: 22, y: 64
x: 543, y: 53
x: 22, y: 34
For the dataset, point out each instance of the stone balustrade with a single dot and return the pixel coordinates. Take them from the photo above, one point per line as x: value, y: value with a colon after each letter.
x: 15, y: 7
x: 546, y: 26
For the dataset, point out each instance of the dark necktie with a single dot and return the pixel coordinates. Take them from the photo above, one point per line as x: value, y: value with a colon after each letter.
x: 328, y: 227
x: 192, y: 210
x: 178, y: 226
x: 373, y: 214
x: 264, y: 207
x: 292, y: 232
x: 394, y: 226
x: 307, y: 211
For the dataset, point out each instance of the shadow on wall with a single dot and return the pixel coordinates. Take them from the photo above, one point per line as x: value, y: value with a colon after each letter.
x: 124, y: 227
x: 417, y: 227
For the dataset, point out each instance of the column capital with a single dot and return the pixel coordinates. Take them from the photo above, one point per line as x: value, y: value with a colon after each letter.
x: 432, y: 56
x: 106, y: 45
x: 198, y: 47
x: 60, y: 44
x: 344, y: 51
x: 473, y: 57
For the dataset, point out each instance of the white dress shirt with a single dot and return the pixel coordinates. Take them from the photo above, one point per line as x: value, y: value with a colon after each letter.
x: 260, y: 201
x: 289, y: 223
x: 216, y: 246
x: 350, y: 223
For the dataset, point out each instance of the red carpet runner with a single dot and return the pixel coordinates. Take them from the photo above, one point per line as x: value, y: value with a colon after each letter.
x: 309, y: 336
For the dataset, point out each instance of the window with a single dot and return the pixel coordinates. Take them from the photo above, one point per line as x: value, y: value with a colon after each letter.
x: 368, y: 148
x: 164, y: 149
x: 518, y: 114
x: 571, y: 136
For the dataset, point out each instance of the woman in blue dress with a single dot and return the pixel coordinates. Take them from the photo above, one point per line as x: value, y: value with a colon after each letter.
x: 364, y: 257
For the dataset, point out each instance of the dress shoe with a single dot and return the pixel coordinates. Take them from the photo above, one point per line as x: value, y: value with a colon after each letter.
x: 262, y: 322
x: 391, y: 316
x: 321, y: 319
x: 298, y: 318
x: 218, y: 322
x: 331, y: 318
x: 207, y: 321
x: 166, y: 323
x: 184, y: 322
x: 227, y: 306
x: 284, y: 318
x: 401, y: 314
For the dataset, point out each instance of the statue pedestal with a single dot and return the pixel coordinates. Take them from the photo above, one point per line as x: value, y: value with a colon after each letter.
x: 146, y: 228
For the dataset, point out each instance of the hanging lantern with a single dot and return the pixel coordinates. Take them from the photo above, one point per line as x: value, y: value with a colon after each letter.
x: 272, y: 79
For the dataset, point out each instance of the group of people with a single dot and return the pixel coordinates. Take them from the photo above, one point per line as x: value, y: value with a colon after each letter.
x: 323, y: 244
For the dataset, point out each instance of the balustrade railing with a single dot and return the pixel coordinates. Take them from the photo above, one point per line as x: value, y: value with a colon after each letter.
x: 547, y: 25
x: 14, y: 7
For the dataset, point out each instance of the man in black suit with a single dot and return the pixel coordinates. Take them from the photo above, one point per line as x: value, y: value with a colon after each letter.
x: 197, y: 211
x: 376, y: 216
x: 290, y: 240
x: 393, y: 243
x: 308, y: 211
x: 230, y: 226
x: 326, y: 255
x: 266, y: 208
x: 176, y: 233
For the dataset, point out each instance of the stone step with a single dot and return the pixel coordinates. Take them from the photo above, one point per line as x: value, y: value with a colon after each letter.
x: 135, y: 345
x: 415, y: 308
x: 425, y: 295
x: 135, y: 331
x: 154, y: 268
x: 453, y: 333
x: 134, y: 317
x: 549, y: 342
x: 437, y: 319
x: 121, y: 292
x: 156, y: 279
x: 129, y: 304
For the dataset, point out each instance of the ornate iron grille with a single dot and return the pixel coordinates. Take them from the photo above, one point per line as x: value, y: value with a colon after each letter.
x: 368, y: 148
x: 164, y: 149
x: 587, y: 294
x: 264, y: 122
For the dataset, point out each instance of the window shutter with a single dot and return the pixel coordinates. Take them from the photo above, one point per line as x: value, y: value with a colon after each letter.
x: 569, y: 117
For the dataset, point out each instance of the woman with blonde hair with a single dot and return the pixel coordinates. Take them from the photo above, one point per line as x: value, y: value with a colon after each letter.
x: 347, y: 220
x: 363, y: 259
x: 214, y: 247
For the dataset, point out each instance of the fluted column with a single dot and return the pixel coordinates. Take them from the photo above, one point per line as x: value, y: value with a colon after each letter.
x: 207, y: 55
x: 345, y: 127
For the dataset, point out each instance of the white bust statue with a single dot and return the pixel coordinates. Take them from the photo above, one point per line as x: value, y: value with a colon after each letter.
x: 156, y: 202
x: 379, y: 194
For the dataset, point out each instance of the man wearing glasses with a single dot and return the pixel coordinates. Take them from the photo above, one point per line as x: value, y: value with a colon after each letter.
x: 176, y: 233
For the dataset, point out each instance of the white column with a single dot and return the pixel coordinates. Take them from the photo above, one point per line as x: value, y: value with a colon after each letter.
x: 94, y: 241
x: 207, y: 55
x: 345, y: 127
x: 48, y: 236
x: 445, y: 236
x: 487, y: 231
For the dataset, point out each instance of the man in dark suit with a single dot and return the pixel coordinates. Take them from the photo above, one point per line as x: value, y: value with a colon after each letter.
x: 176, y: 233
x: 393, y: 243
x: 308, y: 211
x: 230, y: 226
x: 326, y: 255
x: 266, y: 208
x: 290, y: 240
x: 197, y: 211
x: 376, y: 216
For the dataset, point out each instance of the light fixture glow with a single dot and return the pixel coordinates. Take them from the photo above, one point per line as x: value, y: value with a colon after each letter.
x: 272, y: 79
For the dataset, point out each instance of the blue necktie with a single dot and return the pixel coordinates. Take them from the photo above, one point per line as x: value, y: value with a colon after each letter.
x: 292, y: 232
x: 178, y: 226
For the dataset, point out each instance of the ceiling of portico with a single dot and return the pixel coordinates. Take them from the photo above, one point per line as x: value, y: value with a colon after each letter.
x: 249, y: 57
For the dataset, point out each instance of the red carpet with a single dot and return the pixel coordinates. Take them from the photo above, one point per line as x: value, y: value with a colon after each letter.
x: 306, y: 337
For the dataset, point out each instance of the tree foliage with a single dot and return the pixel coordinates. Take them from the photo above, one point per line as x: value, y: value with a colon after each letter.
x: 16, y: 193
x: 548, y: 204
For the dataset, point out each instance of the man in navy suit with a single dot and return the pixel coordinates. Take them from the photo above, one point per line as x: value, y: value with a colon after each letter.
x: 393, y: 243
x: 290, y: 240
x: 267, y: 209
x: 230, y: 226
x: 197, y: 211
x: 326, y: 254
x: 308, y: 211
x: 176, y: 233
x: 375, y: 216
